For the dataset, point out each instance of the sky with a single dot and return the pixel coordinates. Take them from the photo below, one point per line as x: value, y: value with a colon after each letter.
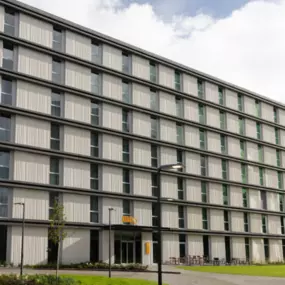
x: 239, y: 41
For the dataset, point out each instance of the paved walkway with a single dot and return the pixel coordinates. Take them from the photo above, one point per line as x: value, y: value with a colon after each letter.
x: 185, y: 278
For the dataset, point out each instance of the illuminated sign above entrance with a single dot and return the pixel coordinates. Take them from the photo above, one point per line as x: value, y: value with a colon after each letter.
x: 129, y: 220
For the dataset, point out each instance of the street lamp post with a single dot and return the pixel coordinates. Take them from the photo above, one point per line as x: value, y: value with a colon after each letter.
x: 23, y: 236
x: 110, y: 255
x: 159, y: 230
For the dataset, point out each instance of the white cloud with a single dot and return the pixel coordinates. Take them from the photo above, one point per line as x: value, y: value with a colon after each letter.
x: 246, y: 48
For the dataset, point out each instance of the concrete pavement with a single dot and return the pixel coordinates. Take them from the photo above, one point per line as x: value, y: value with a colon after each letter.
x: 185, y: 278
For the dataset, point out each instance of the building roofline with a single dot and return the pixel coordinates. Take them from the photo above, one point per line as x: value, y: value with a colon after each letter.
x: 136, y: 50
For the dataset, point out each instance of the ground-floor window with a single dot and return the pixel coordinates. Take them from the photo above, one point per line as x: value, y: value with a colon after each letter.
x: 154, y: 247
x: 3, y: 243
x: 247, y: 248
x: 94, y: 246
x: 182, y: 245
x: 266, y: 249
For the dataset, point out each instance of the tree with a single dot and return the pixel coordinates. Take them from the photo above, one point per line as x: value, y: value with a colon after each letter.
x: 56, y: 232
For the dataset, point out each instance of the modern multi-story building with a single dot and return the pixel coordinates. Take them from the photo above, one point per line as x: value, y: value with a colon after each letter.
x: 87, y: 119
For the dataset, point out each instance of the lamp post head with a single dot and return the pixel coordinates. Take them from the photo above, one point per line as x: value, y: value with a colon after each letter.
x: 111, y: 209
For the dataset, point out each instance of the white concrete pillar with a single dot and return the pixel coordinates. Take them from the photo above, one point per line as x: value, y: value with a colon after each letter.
x: 104, y: 246
x: 147, y: 258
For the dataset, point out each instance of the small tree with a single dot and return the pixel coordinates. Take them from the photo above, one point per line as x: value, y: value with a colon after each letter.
x: 56, y: 232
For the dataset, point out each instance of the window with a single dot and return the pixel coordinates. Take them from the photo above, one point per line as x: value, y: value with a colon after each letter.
x: 263, y: 199
x: 223, y: 144
x: 126, y: 150
x: 280, y: 179
x: 179, y: 133
x: 276, y: 136
x: 258, y: 131
x: 275, y: 115
x: 55, y: 136
x: 4, y: 164
x: 126, y: 96
x: 202, y: 139
x: 125, y: 122
x: 154, y: 215
x: 204, y: 192
x: 225, y: 195
x: 177, y: 80
x: 264, y: 224
x: 126, y: 208
x: 205, y: 218
x: 242, y: 149
x: 95, y: 83
x: 181, y: 212
x: 203, y: 161
x: 281, y: 202
x: 224, y: 169
x: 56, y: 71
x: 247, y: 248
x: 154, y: 188
x: 153, y: 100
x: 154, y: 155
x: 245, y: 222
x: 94, y: 140
x: 241, y: 126
x: 180, y: 186
x: 126, y: 181
x: 95, y: 115
x: 53, y: 200
x: 243, y: 173
x: 261, y: 176
x: 202, y: 117
x: 221, y: 96
x: 154, y: 127
x: 244, y: 197
x: 240, y: 102
x: 182, y: 245
x: 55, y: 104
x: 200, y: 89
x: 54, y: 171
x: 179, y: 107
x: 278, y: 158
x: 94, y: 209
x: 266, y: 249
x: 8, y: 56
x: 96, y: 53
x: 258, y: 108
x: 153, y: 72
x: 180, y: 160
x: 9, y: 22
x: 57, y: 39
x: 5, y: 127
x: 6, y: 91
x: 222, y: 120
x: 226, y: 221
x: 126, y: 63
x: 94, y: 176
x: 282, y: 225
x: 3, y: 202
x: 260, y: 153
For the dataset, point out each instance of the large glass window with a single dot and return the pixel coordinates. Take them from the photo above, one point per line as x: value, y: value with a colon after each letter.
x: 154, y: 188
x: 245, y: 197
x: 242, y: 149
x: 281, y: 202
x: 278, y: 158
x: 55, y: 137
x: 181, y: 217
x: 204, y: 192
x: 55, y: 104
x: 205, y: 218
x: 277, y: 135
x: 95, y: 83
x: 245, y: 222
x: 4, y: 164
x: 203, y: 161
x: 179, y: 133
x: 247, y: 248
x: 263, y: 199
x: 5, y: 127
x: 8, y: 56
x: 9, y: 22
x: 95, y: 114
x: 240, y: 102
x: 54, y: 171
x: 126, y: 181
x: 94, y: 209
x: 182, y: 245
x: 126, y: 89
x: 180, y: 186
x: 127, y: 208
x: 226, y: 221
x: 280, y: 179
x: 6, y: 91
x: 244, y: 173
x: 200, y: 85
x: 241, y: 126
x: 258, y: 108
x: 154, y: 127
x: 264, y: 223
x: 177, y: 80
x: 225, y: 195
x: 56, y: 71
x: 125, y: 120
x: 202, y: 117
x: 154, y: 155
x: 260, y: 153
x: 126, y: 63
x: 223, y: 144
x: 266, y: 249
x: 275, y: 115
x: 224, y: 169
x: 96, y: 53
x: 221, y: 96
x: 202, y: 139
x: 94, y: 140
x: 3, y: 202
x: 222, y: 120
x: 126, y: 150
x: 94, y: 176
x: 153, y: 100
x: 179, y: 106
x: 57, y: 39
x: 153, y: 72
x: 154, y: 215
x: 53, y: 200
x: 261, y: 176
x: 258, y: 131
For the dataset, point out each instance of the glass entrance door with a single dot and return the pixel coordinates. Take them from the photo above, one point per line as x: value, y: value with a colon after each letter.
x: 127, y: 252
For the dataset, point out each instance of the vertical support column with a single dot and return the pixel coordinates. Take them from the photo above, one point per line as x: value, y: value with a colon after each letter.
x: 104, y: 246
x: 147, y: 258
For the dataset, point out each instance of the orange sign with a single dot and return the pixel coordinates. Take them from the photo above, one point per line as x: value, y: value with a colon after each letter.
x: 129, y: 220
x: 147, y: 247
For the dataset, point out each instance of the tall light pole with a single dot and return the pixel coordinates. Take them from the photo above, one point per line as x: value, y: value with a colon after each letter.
x: 23, y: 236
x: 159, y: 227
x: 110, y: 225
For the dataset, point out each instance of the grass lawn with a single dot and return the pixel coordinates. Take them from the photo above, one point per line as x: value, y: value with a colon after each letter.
x: 102, y: 280
x: 251, y: 270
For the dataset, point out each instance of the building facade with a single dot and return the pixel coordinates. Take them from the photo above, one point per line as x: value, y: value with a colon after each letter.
x: 87, y: 120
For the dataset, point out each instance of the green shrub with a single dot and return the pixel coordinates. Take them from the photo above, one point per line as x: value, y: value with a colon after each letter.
x: 93, y: 266
x: 36, y: 280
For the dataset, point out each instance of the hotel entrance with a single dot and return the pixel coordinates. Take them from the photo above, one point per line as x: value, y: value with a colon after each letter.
x: 128, y: 247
